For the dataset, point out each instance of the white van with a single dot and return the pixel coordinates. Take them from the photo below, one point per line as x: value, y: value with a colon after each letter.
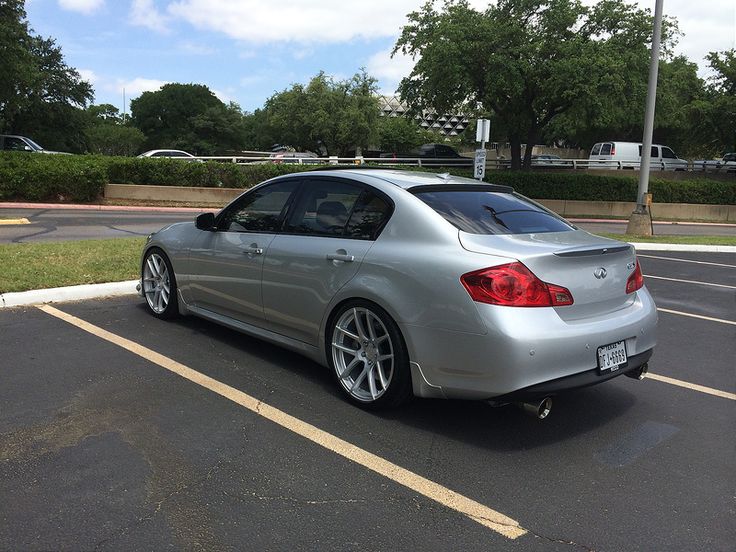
x: 627, y: 155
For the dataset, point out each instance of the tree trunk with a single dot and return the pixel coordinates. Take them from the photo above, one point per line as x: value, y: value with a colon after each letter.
x: 515, y: 143
x: 531, y: 140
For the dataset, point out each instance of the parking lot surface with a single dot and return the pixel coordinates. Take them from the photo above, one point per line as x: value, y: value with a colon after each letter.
x: 103, y: 445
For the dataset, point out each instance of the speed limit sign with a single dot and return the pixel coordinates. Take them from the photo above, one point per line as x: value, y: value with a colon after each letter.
x: 480, y: 164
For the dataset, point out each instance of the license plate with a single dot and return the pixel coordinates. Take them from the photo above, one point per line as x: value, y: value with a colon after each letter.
x: 612, y: 357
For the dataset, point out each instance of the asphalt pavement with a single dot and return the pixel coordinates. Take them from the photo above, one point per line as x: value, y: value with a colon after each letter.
x: 58, y: 224
x: 104, y: 447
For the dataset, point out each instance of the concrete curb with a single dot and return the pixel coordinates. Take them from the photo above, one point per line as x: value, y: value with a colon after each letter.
x: 113, y: 289
x: 70, y: 293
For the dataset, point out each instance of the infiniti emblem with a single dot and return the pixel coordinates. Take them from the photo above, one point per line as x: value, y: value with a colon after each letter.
x: 600, y: 273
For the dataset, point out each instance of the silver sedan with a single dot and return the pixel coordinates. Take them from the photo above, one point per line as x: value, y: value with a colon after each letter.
x: 411, y: 283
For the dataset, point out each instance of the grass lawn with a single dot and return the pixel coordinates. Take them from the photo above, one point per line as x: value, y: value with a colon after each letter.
x: 696, y: 240
x: 25, y: 266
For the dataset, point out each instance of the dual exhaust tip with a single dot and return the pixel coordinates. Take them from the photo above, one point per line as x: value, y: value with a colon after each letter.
x: 541, y: 409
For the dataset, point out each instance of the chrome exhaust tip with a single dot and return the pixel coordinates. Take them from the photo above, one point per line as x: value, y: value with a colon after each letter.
x: 640, y: 373
x: 539, y: 410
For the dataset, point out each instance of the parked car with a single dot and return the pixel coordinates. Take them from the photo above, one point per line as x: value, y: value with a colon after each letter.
x: 727, y: 164
x: 411, y: 283
x: 169, y: 154
x: 432, y: 155
x: 286, y: 156
x: 547, y: 160
x: 12, y: 142
x: 627, y: 155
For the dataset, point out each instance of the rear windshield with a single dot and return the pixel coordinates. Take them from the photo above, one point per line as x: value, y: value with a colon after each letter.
x: 482, y: 212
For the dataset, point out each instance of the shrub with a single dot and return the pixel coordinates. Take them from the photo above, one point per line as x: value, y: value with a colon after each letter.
x: 39, y: 177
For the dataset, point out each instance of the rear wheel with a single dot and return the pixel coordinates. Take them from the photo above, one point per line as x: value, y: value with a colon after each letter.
x: 367, y: 355
x: 159, y: 284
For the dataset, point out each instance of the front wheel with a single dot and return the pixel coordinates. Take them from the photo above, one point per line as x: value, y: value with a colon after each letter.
x: 159, y: 284
x: 367, y: 355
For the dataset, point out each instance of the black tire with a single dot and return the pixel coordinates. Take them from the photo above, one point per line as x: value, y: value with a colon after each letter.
x: 159, y: 285
x: 381, y: 362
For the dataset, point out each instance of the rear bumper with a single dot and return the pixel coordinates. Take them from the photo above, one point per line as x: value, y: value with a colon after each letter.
x: 576, y: 381
x: 527, y: 351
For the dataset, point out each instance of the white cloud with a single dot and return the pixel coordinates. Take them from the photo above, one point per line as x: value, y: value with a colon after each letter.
x: 389, y: 71
x: 327, y: 21
x: 88, y: 75
x: 197, y: 49
x: 82, y: 6
x: 136, y: 87
x: 145, y: 14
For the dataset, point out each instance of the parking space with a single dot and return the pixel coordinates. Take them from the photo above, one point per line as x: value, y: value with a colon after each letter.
x: 101, y: 447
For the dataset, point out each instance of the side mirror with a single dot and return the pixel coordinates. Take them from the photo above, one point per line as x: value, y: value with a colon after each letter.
x: 27, y: 148
x: 205, y: 221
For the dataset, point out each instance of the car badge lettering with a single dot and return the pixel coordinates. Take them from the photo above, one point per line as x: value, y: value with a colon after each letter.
x: 600, y: 273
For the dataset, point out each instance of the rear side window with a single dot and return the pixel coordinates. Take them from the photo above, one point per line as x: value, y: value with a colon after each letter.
x: 485, y: 212
x: 606, y: 149
x: 596, y: 149
x: 369, y: 216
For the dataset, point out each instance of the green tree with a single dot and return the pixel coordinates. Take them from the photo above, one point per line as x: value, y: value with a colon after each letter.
x: 107, y: 134
x: 326, y: 116
x: 40, y: 95
x: 189, y: 117
x: 713, y: 117
x: 526, y: 62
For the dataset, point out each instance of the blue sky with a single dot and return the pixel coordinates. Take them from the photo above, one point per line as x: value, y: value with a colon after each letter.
x: 245, y: 50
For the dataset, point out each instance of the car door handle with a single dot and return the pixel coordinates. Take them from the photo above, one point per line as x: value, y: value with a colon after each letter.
x: 340, y: 257
x: 253, y: 250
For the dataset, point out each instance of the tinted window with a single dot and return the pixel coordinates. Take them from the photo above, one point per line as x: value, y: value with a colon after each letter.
x: 654, y: 152
x: 444, y: 151
x: 15, y: 144
x: 323, y: 208
x: 667, y: 153
x: 260, y: 210
x: 606, y: 149
x: 596, y: 150
x: 369, y: 216
x: 481, y: 212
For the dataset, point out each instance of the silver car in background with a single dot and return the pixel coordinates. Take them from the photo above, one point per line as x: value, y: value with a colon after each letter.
x: 411, y: 283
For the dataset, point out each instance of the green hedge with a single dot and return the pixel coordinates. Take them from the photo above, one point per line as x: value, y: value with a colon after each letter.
x: 37, y: 177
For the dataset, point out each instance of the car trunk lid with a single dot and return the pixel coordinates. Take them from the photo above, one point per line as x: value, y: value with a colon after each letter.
x: 592, y: 268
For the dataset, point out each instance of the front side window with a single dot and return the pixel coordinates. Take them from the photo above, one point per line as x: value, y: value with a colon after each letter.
x: 667, y: 153
x: 489, y: 212
x: 596, y: 149
x: 261, y: 210
x: 15, y: 144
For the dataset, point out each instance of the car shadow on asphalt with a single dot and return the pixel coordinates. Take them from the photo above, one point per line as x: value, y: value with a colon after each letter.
x: 504, y: 428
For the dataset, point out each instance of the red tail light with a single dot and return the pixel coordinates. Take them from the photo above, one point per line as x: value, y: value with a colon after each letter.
x: 513, y: 285
x: 613, y: 149
x: 636, y: 280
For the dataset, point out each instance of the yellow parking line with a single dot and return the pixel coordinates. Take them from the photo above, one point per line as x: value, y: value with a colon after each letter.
x: 476, y: 511
x: 7, y: 222
x: 693, y: 386
x: 700, y: 316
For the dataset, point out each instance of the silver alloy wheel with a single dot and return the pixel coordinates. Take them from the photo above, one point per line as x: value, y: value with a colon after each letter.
x: 156, y: 283
x: 363, y: 354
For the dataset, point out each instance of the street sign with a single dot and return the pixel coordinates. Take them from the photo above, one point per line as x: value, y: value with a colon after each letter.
x: 480, y: 164
x: 482, y: 130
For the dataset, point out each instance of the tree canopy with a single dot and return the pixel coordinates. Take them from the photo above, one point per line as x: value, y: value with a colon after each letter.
x: 525, y: 61
x: 189, y: 117
x: 40, y: 95
x: 333, y: 117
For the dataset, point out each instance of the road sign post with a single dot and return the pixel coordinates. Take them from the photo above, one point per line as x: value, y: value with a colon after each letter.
x: 482, y: 134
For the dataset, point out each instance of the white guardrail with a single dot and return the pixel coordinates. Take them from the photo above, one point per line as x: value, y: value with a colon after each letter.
x: 454, y: 162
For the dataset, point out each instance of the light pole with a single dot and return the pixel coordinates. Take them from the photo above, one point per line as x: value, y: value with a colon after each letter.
x: 640, y: 220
